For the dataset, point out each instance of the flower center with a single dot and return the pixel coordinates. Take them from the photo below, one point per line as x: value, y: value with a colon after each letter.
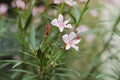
x: 70, y: 42
x: 62, y: 24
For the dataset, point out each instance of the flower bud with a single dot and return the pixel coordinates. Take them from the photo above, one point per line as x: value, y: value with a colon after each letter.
x: 78, y: 37
x: 47, y: 29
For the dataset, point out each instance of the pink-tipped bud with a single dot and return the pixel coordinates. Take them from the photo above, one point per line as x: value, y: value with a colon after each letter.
x: 47, y: 29
x: 78, y: 37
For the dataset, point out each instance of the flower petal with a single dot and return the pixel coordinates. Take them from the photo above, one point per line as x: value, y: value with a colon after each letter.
x: 65, y: 38
x: 55, y: 22
x: 70, y: 2
x: 61, y: 29
x: 75, y: 47
x: 72, y: 35
x: 57, y: 1
x: 60, y: 18
x: 69, y: 26
x: 66, y: 21
x: 67, y: 47
x: 76, y: 41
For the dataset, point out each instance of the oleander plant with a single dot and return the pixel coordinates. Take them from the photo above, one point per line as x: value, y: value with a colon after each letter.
x: 59, y: 40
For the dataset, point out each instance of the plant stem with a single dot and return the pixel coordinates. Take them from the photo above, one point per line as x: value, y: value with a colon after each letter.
x: 61, y: 9
x: 83, y: 11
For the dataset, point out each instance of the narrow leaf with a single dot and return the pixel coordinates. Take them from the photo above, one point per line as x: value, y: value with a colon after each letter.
x: 17, y: 64
x: 4, y: 65
x: 28, y: 22
x: 32, y: 37
x: 31, y: 77
x: 28, y: 54
x: 63, y: 75
x: 22, y: 71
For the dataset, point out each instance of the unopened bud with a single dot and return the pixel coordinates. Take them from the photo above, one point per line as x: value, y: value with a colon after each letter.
x: 47, y: 29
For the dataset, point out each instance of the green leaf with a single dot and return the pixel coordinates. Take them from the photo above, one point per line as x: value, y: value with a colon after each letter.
x: 91, y: 31
x: 5, y: 54
x: 4, y: 65
x: 28, y: 21
x: 74, y: 70
x: 31, y: 64
x: 28, y: 54
x: 70, y: 70
x: 22, y: 71
x: 32, y: 37
x: 17, y: 64
x: 58, y: 55
x: 63, y: 75
x: 31, y: 77
x: 75, y: 13
x: 10, y: 61
x: 117, y: 33
x: 14, y: 75
x: 23, y: 42
x: 31, y: 5
x: 20, y: 24
x: 100, y: 76
x: 116, y: 72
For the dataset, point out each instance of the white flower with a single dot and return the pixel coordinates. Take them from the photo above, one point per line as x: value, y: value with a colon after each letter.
x: 60, y: 23
x: 71, y: 40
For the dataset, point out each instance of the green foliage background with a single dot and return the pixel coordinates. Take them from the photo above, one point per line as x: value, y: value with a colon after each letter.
x: 28, y: 46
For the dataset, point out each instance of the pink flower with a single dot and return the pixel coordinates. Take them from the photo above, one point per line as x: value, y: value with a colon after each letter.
x: 94, y: 13
x: 60, y: 23
x: 90, y: 37
x: 115, y: 2
x: 37, y: 10
x: 57, y: 1
x: 82, y: 1
x: 82, y: 28
x: 13, y: 4
x: 69, y: 2
x: 20, y: 4
x: 71, y: 40
x: 3, y: 8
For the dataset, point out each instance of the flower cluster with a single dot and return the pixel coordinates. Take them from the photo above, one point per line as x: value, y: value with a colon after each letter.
x: 70, y: 39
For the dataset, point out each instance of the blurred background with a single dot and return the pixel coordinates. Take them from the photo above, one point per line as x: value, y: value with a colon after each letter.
x: 99, y: 55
